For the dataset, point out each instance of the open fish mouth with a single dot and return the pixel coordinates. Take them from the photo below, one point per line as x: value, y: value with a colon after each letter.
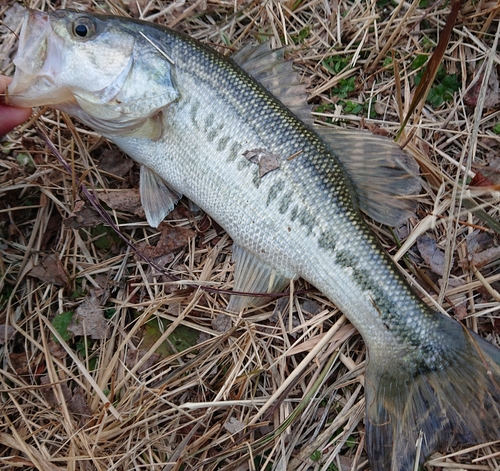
x: 38, y: 60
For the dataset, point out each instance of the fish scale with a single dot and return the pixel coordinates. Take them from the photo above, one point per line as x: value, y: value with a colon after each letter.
x: 190, y: 120
x: 313, y: 174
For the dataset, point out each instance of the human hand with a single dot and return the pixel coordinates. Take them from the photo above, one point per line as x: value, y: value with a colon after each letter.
x: 10, y: 116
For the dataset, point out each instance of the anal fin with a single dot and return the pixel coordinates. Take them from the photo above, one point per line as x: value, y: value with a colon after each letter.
x: 254, y: 276
x: 157, y: 198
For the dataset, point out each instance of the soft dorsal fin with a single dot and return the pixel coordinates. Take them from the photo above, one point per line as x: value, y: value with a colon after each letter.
x: 270, y: 68
x: 157, y: 198
x: 383, y: 174
x: 254, y: 276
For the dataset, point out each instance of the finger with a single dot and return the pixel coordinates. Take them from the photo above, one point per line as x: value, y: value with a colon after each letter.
x: 10, y: 117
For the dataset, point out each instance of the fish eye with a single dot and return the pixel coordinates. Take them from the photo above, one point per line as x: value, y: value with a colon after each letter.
x: 83, y: 28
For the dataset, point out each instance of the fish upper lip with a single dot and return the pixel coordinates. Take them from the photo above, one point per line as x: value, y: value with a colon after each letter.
x: 38, y: 53
x: 33, y: 35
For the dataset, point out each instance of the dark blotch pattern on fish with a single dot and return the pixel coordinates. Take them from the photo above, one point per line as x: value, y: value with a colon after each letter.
x: 275, y: 189
x: 222, y: 143
x: 285, y: 203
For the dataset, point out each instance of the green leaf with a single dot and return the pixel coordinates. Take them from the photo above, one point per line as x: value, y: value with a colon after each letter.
x: 336, y: 64
x: 302, y: 36
x: 105, y: 237
x: 61, y: 323
x: 316, y: 455
x: 419, y: 61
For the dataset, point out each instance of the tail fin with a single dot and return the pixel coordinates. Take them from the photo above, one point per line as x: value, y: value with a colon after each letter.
x: 458, y: 402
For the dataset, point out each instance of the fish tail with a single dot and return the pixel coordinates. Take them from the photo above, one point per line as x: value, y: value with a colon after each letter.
x: 413, y: 411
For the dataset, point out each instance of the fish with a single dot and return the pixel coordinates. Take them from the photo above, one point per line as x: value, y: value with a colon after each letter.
x: 235, y: 136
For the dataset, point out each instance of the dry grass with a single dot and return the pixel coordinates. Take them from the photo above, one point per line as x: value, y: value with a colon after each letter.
x: 175, y: 397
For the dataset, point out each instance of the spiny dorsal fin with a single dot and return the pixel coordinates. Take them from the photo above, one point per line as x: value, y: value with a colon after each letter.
x: 253, y: 276
x: 157, y: 198
x: 383, y: 174
x: 270, y: 68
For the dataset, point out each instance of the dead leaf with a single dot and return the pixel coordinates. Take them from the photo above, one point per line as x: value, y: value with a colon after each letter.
x: 51, y: 231
x: 482, y: 249
x: 136, y: 7
x: 222, y: 323
x: 83, y: 216
x: 56, y: 349
x: 234, y: 425
x: 431, y: 253
x: 461, y: 311
x: 311, y: 307
x: 19, y: 363
x: 128, y: 201
x: 50, y: 395
x: 134, y: 356
x: 79, y: 407
x: 492, y: 91
x: 374, y: 128
x: 114, y: 162
x: 480, y: 180
x: 481, y: 259
x: 75, y: 400
x: 51, y: 270
x: 89, y: 316
x: 171, y: 238
x: 6, y: 333
x: 266, y: 160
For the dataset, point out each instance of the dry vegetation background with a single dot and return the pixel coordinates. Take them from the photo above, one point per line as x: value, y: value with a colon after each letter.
x: 108, y: 364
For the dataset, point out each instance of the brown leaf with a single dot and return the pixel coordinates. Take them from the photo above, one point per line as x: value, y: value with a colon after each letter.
x: 482, y: 249
x: 136, y: 7
x: 48, y: 393
x: 75, y: 400
x: 51, y: 231
x: 79, y: 407
x: 266, y: 160
x: 51, y: 270
x: 89, y: 316
x: 432, y: 255
x: 19, y: 363
x: 492, y: 97
x: 171, y: 238
x: 134, y: 356
x: 6, y: 333
x: 481, y: 259
x: 128, y: 201
x: 114, y: 162
x: 222, y: 323
x: 56, y: 349
x: 480, y: 180
x: 234, y: 425
x: 496, y: 326
x: 83, y: 216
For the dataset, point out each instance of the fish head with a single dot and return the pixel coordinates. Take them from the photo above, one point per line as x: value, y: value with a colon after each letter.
x: 97, y: 68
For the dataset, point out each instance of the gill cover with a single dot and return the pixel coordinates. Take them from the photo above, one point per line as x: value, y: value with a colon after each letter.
x: 94, y: 67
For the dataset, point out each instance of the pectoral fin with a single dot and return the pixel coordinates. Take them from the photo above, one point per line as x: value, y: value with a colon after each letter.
x: 157, y: 198
x: 251, y: 275
x: 384, y: 175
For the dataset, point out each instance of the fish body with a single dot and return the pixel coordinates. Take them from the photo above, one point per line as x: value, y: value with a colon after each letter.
x: 191, y: 117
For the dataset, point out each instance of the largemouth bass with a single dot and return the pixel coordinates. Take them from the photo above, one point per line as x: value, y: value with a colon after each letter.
x: 290, y: 197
